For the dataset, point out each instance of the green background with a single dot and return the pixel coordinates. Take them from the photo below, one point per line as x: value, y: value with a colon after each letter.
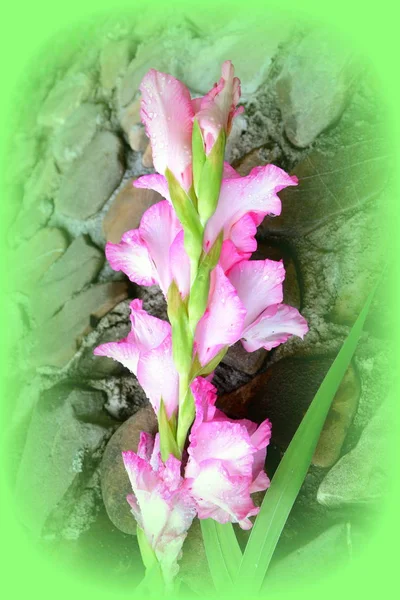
x: 27, y: 28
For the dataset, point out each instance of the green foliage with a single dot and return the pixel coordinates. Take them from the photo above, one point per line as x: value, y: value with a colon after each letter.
x: 210, y: 181
x: 286, y: 482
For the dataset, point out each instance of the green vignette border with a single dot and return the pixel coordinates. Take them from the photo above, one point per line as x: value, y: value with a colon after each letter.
x: 29, y: 28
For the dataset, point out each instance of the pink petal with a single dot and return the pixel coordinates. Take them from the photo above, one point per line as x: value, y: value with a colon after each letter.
x: 274, y: 326
x: 132, y: 257
x: 147, y: 331
x: 243, y: 232
x: 231, y: 256
x: 226, y: 441
x: 145, y: 446
x: 229, y: 172
x: 124, y: 352
x: 157, y: 375
x: 158, y: 229
x: 218, y: 106
x: 155, y: 182
x: 222, y: 497
x: 167, y: 114
x: 258, y: 284
x: 256, y: 194
x: 180, y: 264
x: 222, y: 323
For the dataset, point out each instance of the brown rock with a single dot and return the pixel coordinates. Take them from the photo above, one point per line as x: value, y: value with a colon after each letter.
x: 126, y: 210
x: 57, y: 343
x: 115, y: 484
x: 255, y: 158
x: 137, y: 138
x: 283, y: 394
x: 147, y: 160
x: 130, y: 116
x: 247, y: 362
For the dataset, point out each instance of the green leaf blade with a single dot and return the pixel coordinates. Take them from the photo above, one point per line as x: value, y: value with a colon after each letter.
x: 223, y: 553
x: 293, y: 468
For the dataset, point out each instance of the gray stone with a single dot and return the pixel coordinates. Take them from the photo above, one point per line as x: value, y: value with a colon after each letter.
x: 283, y: 394
x: 32, y: 259
x: 314, y: 86
x: 55, y: 344
x: 90, y: 181
x: 330, y: 185
x: 330, y: 550
x: 252, y: 67
x: 76, y: 133
x: 115, y: 483
x: 59, y: 454
x: 362, y: 476
x: 63, y: 99
x: 77, y: 267
x: 43, y: 182
x: 29, y: 221
x: 114, y: 60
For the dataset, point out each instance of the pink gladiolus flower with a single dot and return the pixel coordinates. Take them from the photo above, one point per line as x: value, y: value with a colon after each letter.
x: 217, y: 109
x: 267, y: 323
x: 154, y: 253
x: 242, y: 206
x: 160, y: 503
x: 222, y: 322
x: 145, y: 351
x: 226, y: 461
x: 167, y: 114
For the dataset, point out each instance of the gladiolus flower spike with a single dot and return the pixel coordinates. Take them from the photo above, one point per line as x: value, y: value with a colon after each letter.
x: 195, y: 244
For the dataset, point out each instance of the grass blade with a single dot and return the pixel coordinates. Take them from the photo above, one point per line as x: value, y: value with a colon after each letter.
x: 293, y: 468
x: 223, y: 552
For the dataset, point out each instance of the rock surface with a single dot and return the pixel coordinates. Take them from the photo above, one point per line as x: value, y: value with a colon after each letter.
x: 63, y: 99
x: 284, y: 392
x: 57, y: 343
x: 32, y: 259
x: 76, y: 133
x: 60, y: 452
x: 362, y: 476
x: 126, y: 210
x: 115, y: 483
x: 314, y: 86
x: 89, y: 183
x: 77, y: 267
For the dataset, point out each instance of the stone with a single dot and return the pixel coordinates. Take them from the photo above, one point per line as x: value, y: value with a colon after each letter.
x: 283, y: 394
x: 137, y: 138
x: 150, y: 55
x: 29, y: 221
x: 362, y: 476
x: 115, y: 485
x: 63, y: 99
x: 248, y: 362
x: 130, y: 116
x: 329, y: 551
x: 32, y: 258
x: 316, y: 82
x: 76, y: 268
x: 114, y: 60
x: 67, y: 430
x: 23, y: 156
x: 252, y: 66
x: 76, y: 133
x: 330, y: 185
x: 55, y: 344
x: 42, y: 184
x: 91, y: 180
x: 126, y: 210
x: 258, y: 157
x: 147, y: 160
